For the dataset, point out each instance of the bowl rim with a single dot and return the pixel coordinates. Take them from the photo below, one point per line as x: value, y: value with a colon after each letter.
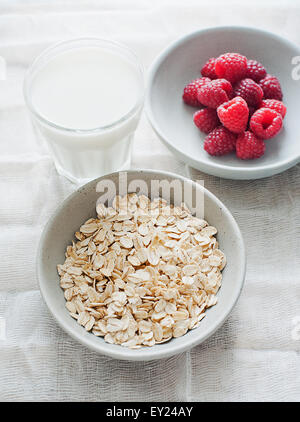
x: 270, y: 168
x: 148, y: 353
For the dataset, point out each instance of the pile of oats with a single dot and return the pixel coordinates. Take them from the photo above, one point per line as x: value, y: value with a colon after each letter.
x: 142, y: 272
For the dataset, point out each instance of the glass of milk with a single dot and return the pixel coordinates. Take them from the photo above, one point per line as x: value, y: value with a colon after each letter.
x: 85, y: 97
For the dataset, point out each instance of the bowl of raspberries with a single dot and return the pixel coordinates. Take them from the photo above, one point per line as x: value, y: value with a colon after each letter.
x: 240, y: 105
x: 225, y: 101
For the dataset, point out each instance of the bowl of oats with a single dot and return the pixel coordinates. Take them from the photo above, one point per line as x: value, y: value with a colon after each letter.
x: 141, y: 265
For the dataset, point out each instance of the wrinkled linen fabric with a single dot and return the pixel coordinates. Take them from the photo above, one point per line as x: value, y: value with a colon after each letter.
x: 255, y: 355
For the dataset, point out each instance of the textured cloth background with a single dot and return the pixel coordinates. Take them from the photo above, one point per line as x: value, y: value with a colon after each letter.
x: 254, y: 356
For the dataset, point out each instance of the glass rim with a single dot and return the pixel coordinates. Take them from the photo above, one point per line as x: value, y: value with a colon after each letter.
x: 126, y: 116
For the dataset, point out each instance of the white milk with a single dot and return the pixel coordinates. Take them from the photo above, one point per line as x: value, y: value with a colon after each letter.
x: 86, y: 102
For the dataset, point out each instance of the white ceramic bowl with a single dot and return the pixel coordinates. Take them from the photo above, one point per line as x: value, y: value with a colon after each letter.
x: 78, y: 207
x: 172, y: 119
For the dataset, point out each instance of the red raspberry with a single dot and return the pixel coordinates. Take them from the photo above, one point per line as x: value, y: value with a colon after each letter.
x: 208, y: 69
x: 191, y: 90
x: 212, y: 95
x: 250, y: 91
x: 255, y: 70
x: 234, y: 114
x: 248, y: 146
x: 265, y: 123
x: 231, y: 66
x: 224, y: 84
x: 271, y: 87
x: 275, y: 105
x: 206, y: 119
x: 220, y: 141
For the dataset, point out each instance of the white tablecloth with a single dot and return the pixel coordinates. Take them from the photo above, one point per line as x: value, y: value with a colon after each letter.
x: 255, y: 355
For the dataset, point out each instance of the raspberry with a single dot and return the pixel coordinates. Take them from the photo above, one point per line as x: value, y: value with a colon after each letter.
x: 234, y: 114
x: 231, y: 66
x: 191, y: 90
x: 265, y: 123
x: 255, y: 70
x: 206, y: 119
x: 220, y: 141
x: 271, y: 87
x: 250, y: 91
x: 212, y: 95
x: 275, y: 105
x: 248, y: 146
x: 224, y: 84
x: 208, y: 69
